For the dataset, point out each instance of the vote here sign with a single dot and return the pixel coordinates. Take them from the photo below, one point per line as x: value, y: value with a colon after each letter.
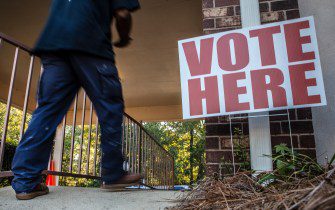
x: 269, y: 67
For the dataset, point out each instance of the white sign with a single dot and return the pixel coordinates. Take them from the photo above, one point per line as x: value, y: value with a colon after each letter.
x: 269, y: 67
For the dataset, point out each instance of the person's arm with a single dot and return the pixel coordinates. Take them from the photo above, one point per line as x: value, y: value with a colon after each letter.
x: 123, y: 26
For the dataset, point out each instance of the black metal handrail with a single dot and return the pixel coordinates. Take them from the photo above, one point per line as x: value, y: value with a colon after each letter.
x: 142, y: 152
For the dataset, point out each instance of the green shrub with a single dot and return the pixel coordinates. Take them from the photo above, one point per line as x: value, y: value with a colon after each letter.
x: 7, y: 164
x: 78, y: 182
x: 290, y: 165
x: 9, y: 155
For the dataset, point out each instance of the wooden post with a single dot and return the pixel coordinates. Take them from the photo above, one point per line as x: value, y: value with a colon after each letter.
x: 58, y: 150
x: 191, y: 156
x: 259, y: 127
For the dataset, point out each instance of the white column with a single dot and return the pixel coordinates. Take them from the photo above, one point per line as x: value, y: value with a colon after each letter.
x: 324, y: 117
x: 259, y: 127
x: 57, y: 157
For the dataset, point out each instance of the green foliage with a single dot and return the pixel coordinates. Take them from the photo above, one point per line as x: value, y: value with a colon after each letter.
x: 9, y: 151
x: 78, y: 182
x: 332, y: 160
x: 175, y: 137
x: 70, y: 181
x: 13, y: 136
x: 14, y: 123
x: 291, y: 164
x: 241, y: 150
x: 241, y: 153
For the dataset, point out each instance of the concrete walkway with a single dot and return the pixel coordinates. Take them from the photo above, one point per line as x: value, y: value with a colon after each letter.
x: 90, y: 198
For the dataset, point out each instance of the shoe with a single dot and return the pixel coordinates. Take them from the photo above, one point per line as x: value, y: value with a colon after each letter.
x: 126, y: 180
x: 40, y: 189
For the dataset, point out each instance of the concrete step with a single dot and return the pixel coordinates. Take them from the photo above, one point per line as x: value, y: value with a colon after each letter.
x: 90, y: 198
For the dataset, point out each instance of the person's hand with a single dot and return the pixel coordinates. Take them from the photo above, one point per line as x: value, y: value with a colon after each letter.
x: 121, y: 13
x: 123, y: 26
x: 123, y: 42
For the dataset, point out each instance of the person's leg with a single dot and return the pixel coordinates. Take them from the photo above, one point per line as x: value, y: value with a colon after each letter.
x: 57, y: 89
x: 100, y: 79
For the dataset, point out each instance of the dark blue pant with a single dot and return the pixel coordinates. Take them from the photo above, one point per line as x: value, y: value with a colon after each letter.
x: 62, y: 77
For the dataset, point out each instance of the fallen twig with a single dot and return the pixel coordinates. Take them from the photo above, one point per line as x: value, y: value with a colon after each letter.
x: 242, y: 191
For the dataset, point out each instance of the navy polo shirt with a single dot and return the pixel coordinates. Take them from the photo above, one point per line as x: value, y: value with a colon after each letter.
x: 81, y: 25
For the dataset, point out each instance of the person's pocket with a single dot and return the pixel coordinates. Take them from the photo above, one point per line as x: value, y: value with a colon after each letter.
x: 110, y: 81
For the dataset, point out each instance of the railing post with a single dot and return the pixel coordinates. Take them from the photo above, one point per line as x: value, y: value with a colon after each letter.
x: 126, y: 139
x: 26, y: 97
x: 172, y: 172
x: 58, y: 150
x: 89, y: 140
x: 140, y: 152
x: 82, y: 133
x: 9, y: 102
x: 152, y: 162
x: 131, y: 148
x: 96, y: 147
x: 123, y: 135
x: 73, y: 132
x: 145, y: 159
x: 136, y: 145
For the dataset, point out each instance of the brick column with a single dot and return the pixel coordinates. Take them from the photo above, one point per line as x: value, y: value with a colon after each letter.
x: 224, y: 15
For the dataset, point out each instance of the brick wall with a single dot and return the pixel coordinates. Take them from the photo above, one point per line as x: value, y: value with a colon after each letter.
x: 224, y: 15
x: 221, y: 15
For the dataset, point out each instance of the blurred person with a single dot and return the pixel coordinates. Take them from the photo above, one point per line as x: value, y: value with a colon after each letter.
x: 76, y: 51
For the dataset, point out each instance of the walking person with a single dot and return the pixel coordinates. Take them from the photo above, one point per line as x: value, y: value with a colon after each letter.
x: 76, y: 51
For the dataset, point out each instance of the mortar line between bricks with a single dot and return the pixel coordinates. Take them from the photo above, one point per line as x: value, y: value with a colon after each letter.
x: 223, y: 123
x: 219, y: 7
x: 217, y: 150
x: 224, y: 28
x: 285, y: 121
x: 288, y: 10
x: 212, y: 136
